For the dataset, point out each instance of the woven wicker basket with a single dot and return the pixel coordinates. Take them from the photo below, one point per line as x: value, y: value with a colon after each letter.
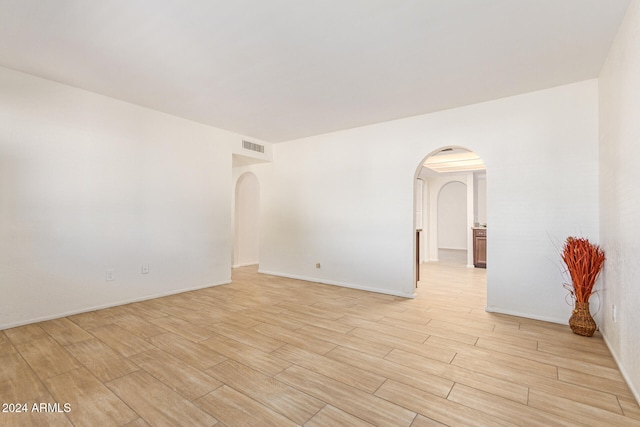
x: 581, y: 322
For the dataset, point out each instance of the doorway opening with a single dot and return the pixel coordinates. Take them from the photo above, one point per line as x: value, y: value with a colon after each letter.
x: 450, y: 209
x: 246, y: 233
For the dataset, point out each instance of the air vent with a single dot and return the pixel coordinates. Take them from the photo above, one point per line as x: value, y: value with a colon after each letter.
x: 252, y: 146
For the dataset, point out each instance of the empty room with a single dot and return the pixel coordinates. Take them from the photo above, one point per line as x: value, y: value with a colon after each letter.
x: 329, y: 213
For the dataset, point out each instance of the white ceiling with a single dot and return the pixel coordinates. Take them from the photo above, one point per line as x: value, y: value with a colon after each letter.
x: 284, y: 69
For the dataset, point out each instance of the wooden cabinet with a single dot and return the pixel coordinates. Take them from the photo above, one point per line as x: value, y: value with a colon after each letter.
x: 480, y: 247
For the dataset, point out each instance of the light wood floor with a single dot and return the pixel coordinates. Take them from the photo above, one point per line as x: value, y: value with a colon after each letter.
x: 268, y: 351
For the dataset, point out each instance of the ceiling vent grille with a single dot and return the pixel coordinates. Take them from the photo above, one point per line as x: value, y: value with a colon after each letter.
x: 252, y: 146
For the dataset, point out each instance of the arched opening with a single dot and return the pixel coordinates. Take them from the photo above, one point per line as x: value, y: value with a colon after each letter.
x: 246, y: 234
x: 450, y: 207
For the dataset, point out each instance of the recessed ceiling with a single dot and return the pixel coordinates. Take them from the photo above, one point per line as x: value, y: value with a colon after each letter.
x: 454, y: 162
x: 283, y: 69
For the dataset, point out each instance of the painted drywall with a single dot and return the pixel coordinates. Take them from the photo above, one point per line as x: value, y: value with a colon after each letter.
x: 346, y: 199
x: 246, y: 220
x: 480, y: 198
x: 90, y: 184
x: 431, y: 237
x: 620, y: 196
x: 452, y: 216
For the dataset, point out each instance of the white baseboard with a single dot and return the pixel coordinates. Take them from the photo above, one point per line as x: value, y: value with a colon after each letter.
x: 244, y: 264
x: 526, y: 315
x: 336, y: 283
x: 109, y: 305
x: 625, y: 375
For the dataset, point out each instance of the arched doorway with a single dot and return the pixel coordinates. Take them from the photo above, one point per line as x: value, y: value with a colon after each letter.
x: 455, y: 172
x: 246, y: 221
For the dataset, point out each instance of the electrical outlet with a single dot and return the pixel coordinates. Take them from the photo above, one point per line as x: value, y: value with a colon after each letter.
x: 614, y: 313
x: 145, y: 268
x: 110, y: 275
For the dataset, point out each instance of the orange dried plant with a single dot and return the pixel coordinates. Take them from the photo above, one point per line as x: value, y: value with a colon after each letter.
x: 584, y: 261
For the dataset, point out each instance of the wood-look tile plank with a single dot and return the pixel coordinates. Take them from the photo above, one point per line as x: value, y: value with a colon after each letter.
x: 498, y: 386
x: 331, y: 368
x: 139, y: 422
x: 195, y: 354
x: 386, y: 329
x: 332, y: 416
x: 110, y: 313
x: 46, y: 357
x: 89, y: 320
x: 276, y: 319
x: 416, y: 326
x: 138, y: 326
x: 505, y: 409
x: 18, y: 382
x: 491, y: 364
x: 411, y: 312
x: 526, y: 351
x: 65, y: 331
x: 400, y: 373
x: 422, y: 421
x: 282, y: 398
x: 618, y: 387
x: 91, y: 403
x: 350, y: 340
x: 175, y: 305
x: 26, y: 333
x: 101, y: 360
x: 192, y: 383
x: 630, y: 408
x: 350, y: 399
x: 183, y: 328
x: 578, y: 412
x: 158, y: 405
x: 348, y: 308
x: 580, y: 353
x: 438, y: 329
x: 437, y: 408
x: 236, y: 409
x: 520, y: 360
x: 249, y: 337
x: 545, y: 381
x: 145, y: 309
x: 238, y: 320
x: 425, y: 349
x: 6, y: 347
x: 298, y: 338
x: 247, y: 355
x: 204, y: 318
x: 305, y: 306
x: 120, y: 340
x: 391, y: 341
x: 331, y: 325
x: 33, y: 418
x: 508, y: 340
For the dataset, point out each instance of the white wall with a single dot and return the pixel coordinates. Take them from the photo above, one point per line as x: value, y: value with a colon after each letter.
x: 620, y: 195
x: 246, y: 220
x: 431, y: 238
x: 345, y: 199
x: 480, y: 198
x: 452, y: 216
x: 89, y: 183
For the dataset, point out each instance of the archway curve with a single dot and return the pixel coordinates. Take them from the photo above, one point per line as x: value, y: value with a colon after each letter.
x: 421, y: 250
x: 246, y: 227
